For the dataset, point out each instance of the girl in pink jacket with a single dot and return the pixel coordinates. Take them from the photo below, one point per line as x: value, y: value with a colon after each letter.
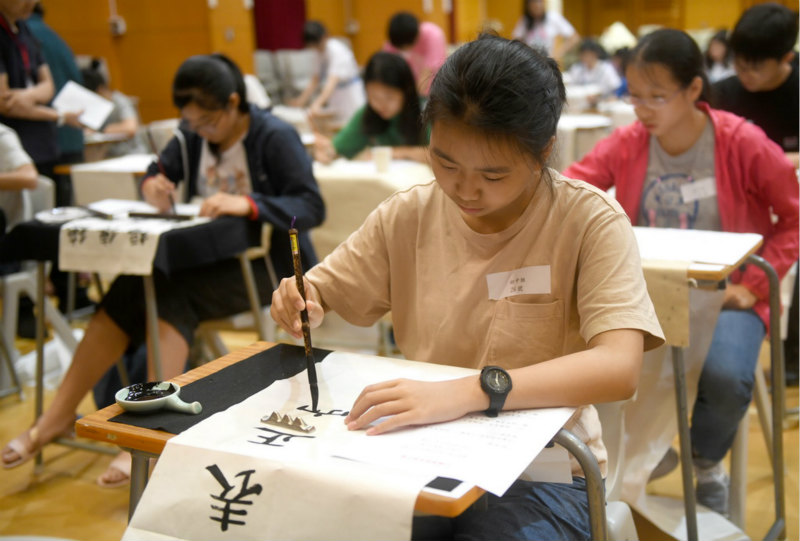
x: 685, y: 165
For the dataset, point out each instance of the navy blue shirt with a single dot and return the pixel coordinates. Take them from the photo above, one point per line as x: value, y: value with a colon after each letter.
x: 38, y: 137
x: 282, y: 178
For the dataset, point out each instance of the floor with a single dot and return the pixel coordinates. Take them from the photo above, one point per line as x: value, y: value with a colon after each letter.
x: 63, y: 500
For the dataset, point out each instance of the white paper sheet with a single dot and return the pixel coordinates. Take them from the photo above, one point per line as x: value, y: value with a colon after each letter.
x: 306, y: 491
x: 74, y: 97
x: 121, y: 207
x: 693, y: 246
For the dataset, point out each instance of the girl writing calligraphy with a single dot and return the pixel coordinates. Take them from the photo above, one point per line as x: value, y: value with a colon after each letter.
x: 570, y: 319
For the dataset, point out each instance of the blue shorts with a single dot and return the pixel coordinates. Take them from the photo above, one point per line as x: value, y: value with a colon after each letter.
x: 528, y: 510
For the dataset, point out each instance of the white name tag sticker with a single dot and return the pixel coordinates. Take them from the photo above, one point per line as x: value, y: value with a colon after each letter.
x: 699, y: 189
x: 525, y: 281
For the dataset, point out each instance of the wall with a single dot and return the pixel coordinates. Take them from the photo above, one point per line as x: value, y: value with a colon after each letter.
x: 160, y: 34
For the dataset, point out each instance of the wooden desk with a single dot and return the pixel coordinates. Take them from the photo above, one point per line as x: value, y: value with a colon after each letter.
x: 144, y: 443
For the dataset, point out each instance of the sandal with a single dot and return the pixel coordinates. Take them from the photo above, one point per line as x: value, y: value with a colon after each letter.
x: 27, y: 445
x: 118, y: 472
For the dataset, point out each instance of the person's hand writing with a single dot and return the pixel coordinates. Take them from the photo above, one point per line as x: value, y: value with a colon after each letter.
x: 158, y: 191
x: 407, y: 402
x: 738, y: 297
x: 225, y: 204
x: 287, y: 305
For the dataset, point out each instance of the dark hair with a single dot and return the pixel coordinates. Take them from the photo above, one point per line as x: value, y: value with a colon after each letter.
x: 592, y: 45
x: 93, y: 78
x: 624, y: 55
x: 313, y: 32
x: 676, y: 51
x: 764, y: 31
x: 38, y: 9
x: 208, y: 81
x: 722, y: 37
x: 502, y: 88
x: 403, y: 29
x: 529, y: 20
x: 392, y: 70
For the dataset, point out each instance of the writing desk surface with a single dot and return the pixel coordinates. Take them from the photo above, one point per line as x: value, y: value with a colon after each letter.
x: 97, y: 426
x: 712, y: 255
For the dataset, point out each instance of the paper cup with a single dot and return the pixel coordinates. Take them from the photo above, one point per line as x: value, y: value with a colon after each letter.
x: 382, y: 157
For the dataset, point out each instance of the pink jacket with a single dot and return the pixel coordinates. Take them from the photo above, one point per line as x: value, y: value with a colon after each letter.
x: 753, y: 177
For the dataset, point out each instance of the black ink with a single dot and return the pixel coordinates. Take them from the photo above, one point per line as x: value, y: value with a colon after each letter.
x: 76, y: 236
x: 319, y: 413
x: 148, y: 391
x: 238, y: 499
x: 107, y: 236
x: 275, y: 435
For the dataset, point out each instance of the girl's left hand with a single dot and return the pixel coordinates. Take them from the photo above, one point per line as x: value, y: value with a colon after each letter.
x: 225, y: 204
x: 408, y: 402
x: 738, y: 297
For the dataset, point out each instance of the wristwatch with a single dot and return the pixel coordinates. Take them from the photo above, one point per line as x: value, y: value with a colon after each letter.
x: 495, y: 382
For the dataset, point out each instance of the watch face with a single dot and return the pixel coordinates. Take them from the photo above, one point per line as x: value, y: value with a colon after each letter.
x: 497, y: 380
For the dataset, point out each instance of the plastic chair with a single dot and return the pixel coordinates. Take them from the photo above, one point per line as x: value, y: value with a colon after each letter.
x: 257, y: 318
x: 618, y: 514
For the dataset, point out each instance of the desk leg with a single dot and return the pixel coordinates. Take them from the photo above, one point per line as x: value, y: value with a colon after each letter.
x: 685, y: 443
x: 40, y: 317
x: 153, y: 345
x: 139, y: 473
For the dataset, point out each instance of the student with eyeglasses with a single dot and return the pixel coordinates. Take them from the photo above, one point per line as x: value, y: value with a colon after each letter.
x: 685, y: 165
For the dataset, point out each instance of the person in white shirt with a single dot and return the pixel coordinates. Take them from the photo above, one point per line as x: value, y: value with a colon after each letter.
x: 592, y: 68
x: 539, y: 28
x: 718, y: 58
x: 342, y: 88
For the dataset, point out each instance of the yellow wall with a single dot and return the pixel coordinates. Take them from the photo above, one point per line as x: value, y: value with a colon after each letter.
x: 160, y: 35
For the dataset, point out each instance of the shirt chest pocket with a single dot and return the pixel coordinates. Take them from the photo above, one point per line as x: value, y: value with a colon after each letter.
x: 524, y: 333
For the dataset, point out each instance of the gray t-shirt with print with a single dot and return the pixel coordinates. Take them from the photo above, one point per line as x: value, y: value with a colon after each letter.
x: 680, y: 191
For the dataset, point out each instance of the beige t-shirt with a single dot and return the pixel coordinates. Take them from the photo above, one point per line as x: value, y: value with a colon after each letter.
x: 416, y: 256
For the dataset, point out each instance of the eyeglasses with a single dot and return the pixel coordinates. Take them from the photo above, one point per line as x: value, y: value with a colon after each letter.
x: 207, y: 122
x: 656, y: 102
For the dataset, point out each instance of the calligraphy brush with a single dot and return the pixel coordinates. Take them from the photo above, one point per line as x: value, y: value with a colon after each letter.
x: 160, y: 165
x: 298, y: 276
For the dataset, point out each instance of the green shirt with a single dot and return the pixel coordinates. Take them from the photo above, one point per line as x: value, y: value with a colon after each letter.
x: 351, y: 139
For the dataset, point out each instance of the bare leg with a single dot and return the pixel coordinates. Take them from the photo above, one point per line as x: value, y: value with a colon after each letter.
x: 174, y: 351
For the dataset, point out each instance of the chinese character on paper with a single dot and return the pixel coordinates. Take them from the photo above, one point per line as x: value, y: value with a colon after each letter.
x: 231, y: 501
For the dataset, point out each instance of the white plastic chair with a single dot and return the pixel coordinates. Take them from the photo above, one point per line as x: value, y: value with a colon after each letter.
x: 618, y: 514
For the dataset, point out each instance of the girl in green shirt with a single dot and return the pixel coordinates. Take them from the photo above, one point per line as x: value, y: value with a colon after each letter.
x: 391, y: 116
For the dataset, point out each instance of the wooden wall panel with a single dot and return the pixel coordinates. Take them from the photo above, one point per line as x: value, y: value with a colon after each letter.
x: 331, y: 13
x: 506, y: 12
x: 469, y: 16
x: 231, y: 32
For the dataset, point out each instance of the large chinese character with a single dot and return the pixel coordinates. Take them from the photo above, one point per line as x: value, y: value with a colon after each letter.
x: 227, y: 509
x: 107, y: 236
x: 76, y: 236
x: 319, y: 413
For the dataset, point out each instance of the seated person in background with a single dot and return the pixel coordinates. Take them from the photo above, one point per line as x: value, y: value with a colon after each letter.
x: 718, y: 58
x: 685, y: 165
x: 17, y: 173
x: 574, y: 338
x: 391, y: 116
x: 422, y: 44
x: 766, y: 91
x: 123, y: 118
x: 245, y: 162
x: 337, y: 71
x: 593, y: 68
x: 620, y: 61
x: 765, y: 88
